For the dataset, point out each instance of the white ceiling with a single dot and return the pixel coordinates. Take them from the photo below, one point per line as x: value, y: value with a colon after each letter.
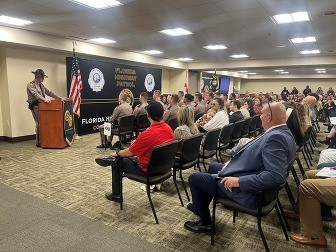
x: 244, y: 26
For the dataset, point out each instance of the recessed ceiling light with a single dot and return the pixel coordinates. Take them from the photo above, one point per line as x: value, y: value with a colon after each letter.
x: 215, y: 47
x: 185, y: 59
x: 310, y: 52
x: 284, y: 72
x: 302, y: 40
x: 278, y: 70
x: 176, y: 32
x: 251, y: 73
x: 320, y: 69
x: 102, y: 4
x: 290, y: 18
x: 13, y: 21
x: 237, y: 56
x: 281, y: 46
x: 102, y: 40
x: 153, y: 52
x: 243, y: 71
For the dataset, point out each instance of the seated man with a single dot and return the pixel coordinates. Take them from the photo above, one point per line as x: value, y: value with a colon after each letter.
x: 158, y: 133
x: 259, y: 165
x: 123, y: 109
x: 172, y: 109
x: 313, y: 191
x: 235, y: 114
x: 141, y: 108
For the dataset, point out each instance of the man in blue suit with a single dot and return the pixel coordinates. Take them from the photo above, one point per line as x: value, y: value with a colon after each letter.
x: 260, y: 164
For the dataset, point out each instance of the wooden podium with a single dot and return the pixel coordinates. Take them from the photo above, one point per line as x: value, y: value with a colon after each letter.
x: 52, y: 124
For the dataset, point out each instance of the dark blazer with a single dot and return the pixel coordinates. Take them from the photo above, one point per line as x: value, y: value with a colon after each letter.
x: 261, y: 164
x: 235, y: 117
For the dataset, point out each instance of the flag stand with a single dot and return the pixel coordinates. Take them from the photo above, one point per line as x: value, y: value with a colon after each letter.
x: 76, y: 137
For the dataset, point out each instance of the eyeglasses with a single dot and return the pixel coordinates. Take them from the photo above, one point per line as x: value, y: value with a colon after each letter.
x: 269, y: 106
x: 214, y: 104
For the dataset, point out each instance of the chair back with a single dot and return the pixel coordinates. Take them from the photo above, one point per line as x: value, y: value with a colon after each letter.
x: 254, y: 122
x: 173, y: 123
x: 211, y: 140
x: 162, y: 158
x: 142, y: 121
x: 126, y: 123
x: 190, y: 148
x: 246, y: 127
x: 225, y: 134
x: 237, y: 129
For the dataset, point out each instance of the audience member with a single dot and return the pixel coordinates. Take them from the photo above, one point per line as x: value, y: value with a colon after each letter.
x: 248, y: 105
x: 331, y: 92
x: 261, y: 164
x: 141, y: 108
x: 188, y: 100
x: 319, y: 91
x: 180, y: 97
x: 219, y: 120
x: 257, y: 105
x: 187, y: 127
x: 285, y: 91
x: 123, y: 109
x: 172, y: 109
x: 294, y: 91
x: 136, y: 157
x: 157, y: 97
x: 306, y: 91
x: 236, y: 114
x: 199, y: 108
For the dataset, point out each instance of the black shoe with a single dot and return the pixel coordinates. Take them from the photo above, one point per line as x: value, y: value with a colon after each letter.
x: 116, y: 146
x: 113, y: 197
x: 38, y: 145
x: 197, y: 227
x: 191, y: 208
x: 102, y: 146
x: 106, y: 161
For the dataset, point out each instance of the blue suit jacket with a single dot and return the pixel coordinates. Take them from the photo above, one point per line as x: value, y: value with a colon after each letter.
x: 261, y: 164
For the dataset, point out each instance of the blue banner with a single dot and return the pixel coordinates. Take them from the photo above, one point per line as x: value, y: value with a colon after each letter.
x: 69, y: 127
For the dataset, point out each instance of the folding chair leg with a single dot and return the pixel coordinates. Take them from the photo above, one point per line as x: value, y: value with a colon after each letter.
x: 262, y: 235
x: 198, y: 165
x: 290, y: 196
x: 178, y: 191
x: 284, y: 216
x: 300, y: 166
x: 295, y: 176
x: 151, y: 203
x: 281, y: 221
x: 220, y: 156
x: 184, y: 187
x: 304, y: 156
x: 204, y: 165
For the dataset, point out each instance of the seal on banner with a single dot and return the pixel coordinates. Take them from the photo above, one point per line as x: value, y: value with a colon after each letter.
x: 96, y: 80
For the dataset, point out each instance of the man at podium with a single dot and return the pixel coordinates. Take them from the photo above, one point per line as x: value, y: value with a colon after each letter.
x: 37, y: 92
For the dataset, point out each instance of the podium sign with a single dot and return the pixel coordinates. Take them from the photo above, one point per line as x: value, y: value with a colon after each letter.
x: 56, y: 121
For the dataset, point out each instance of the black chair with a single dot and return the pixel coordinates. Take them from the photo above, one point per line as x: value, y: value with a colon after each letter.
x: 253, y: 126
x: 208, y: 146
x: 267, y: 201
x: 142, y: 123
x: 124, y: 128
x: 246, y: 127
x: 186, y: 158
x: 161, y: 161
x: 236, y: 132
x: 224, y: 140
x: 173, y: 123
x: 259, y: 127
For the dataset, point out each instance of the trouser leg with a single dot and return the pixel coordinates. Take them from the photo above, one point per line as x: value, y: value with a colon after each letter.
x: 130, y: 165
x: 312, y: 193
x: 202, y: 187
x: 36, y: 116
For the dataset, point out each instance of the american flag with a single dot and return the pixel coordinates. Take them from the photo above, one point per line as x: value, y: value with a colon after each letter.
x: 186, y: 84
x: 76, y: 86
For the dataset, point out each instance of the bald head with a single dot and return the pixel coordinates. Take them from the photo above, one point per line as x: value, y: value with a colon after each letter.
x: 273, y: 114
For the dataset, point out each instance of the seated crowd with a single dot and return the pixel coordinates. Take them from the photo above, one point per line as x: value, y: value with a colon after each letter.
x: 258, y: 164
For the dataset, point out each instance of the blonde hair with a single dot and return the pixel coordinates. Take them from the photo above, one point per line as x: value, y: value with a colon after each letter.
x: 185, y: 116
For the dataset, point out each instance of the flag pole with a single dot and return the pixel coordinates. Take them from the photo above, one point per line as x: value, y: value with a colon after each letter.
x: 76, y: 137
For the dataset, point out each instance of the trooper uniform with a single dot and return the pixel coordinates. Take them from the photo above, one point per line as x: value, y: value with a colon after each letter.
x: 171, y: 112
x: 36, y: 93
x: 121, y: 110
x: 199, y: 108
x: 140, y: 109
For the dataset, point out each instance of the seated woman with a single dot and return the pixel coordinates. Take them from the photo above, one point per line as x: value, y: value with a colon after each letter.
x: 257, y: 105
x: 185, y: 120
x: 219, y: 120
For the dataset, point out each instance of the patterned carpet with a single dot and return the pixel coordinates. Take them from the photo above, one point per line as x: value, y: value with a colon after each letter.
x: 70, y: 178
